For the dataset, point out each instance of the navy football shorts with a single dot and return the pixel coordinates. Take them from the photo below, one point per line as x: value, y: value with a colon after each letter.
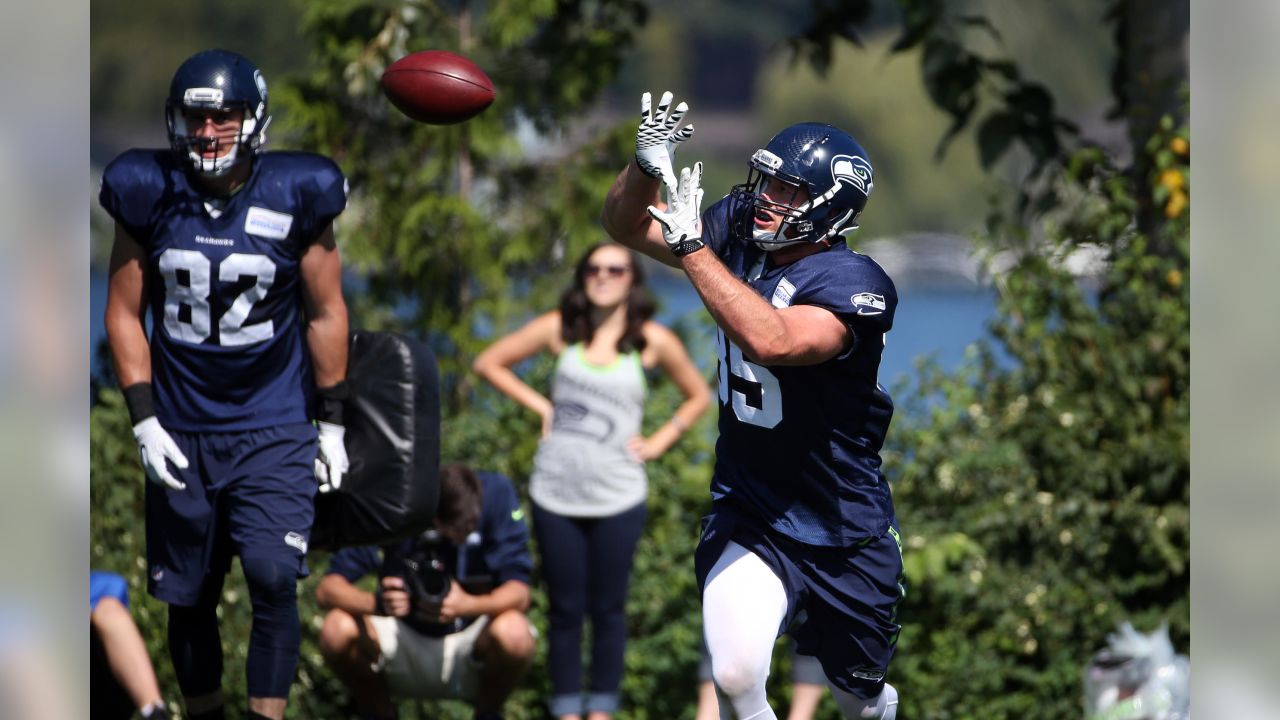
x: 850, y: 595
x: 247, y: 492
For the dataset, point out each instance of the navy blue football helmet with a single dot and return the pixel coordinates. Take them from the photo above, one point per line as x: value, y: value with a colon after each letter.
x: 217, y: 80
x: 824, y: 160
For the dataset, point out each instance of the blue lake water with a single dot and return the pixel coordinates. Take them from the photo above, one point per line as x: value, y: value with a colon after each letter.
x: 940, y: 322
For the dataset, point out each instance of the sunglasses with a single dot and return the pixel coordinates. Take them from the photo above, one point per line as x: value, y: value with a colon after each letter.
x: 616, y: 271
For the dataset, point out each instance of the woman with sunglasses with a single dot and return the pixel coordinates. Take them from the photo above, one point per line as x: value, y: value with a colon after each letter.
x: 588, y: 485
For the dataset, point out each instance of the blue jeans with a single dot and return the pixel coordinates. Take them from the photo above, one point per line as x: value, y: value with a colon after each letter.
x: 587, y: 566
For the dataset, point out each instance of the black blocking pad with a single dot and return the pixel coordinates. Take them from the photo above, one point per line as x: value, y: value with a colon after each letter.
x: 393, y: 443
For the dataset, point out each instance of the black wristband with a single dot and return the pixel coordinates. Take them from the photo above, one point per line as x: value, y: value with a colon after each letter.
x: 330, y: 401
x: 139, y: 400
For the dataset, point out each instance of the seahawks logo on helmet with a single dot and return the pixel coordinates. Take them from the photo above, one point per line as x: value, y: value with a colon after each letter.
x: 853, y: 170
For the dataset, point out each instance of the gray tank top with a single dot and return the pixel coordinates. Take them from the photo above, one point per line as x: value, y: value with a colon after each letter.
x: 582, y: 468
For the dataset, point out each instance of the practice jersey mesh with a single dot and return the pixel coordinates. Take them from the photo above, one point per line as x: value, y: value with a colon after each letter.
x: 799, y: 446
x: 228, y: 343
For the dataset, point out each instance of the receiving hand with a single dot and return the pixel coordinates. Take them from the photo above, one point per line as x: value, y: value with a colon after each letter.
x: 682, y: 222
x: 657, y: 138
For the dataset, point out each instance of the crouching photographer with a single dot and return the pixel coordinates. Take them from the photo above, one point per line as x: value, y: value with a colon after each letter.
x: 447, y: 620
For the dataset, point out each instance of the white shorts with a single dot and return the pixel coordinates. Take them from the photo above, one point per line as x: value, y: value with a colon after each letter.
x: 418, y: 666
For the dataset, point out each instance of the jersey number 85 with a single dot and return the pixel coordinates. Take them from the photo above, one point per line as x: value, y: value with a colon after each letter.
x: 751, y: 389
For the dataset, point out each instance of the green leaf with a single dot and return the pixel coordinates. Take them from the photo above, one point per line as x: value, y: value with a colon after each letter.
x: 995, y: 134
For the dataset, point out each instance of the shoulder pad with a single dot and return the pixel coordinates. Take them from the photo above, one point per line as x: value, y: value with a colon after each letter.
x: 132, y: 186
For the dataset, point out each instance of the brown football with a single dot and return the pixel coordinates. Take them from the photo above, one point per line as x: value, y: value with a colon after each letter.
x: 437, y: 87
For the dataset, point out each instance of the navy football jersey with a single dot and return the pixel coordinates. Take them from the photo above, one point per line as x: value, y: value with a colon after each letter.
x: 228, y: 339
x: 799, y: 446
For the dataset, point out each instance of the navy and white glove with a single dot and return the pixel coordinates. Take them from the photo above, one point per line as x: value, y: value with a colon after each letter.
x: 155, y: 446
x: 682, y: 222
x: 657, y: 138
x: 331, y: 460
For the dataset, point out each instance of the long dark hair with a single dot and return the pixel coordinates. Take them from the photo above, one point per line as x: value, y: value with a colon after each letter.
x: 576, y: 322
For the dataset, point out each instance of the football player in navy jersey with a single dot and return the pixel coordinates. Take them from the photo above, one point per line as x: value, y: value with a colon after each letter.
x: 802, y: 517
x: 232, y: 251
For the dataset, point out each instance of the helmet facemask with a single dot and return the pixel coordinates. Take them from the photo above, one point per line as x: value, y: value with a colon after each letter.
x: 810, y: 221
x: 793, y: 229
x: 828, y: 164
x: 243, y: 144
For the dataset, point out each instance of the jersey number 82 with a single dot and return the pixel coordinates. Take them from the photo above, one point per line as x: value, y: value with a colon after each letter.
x: 194, y: 294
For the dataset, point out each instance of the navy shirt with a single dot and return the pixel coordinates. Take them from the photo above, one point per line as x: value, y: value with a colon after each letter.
x: 799, y: 446
x: 496, y: 552
x: 228, y: 340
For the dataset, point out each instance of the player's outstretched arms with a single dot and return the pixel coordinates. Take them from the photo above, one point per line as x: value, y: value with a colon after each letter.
x: 799, y: 335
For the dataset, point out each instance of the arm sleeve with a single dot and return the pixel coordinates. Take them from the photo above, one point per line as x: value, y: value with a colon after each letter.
x: 506, y: 550
x: 127, y: 192
x: 354, y: 563
x: 324, y: 196
x: 856, y: 290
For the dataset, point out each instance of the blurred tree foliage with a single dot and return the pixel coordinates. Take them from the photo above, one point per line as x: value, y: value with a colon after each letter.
x: 1042, y: 500
x: 137, y: 46
x: 1046, y: 499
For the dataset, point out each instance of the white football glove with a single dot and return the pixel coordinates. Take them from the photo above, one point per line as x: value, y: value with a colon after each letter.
x: 155, y: 446
x: 682, y: 222
x: 331, y: 460
x: 657, y: 138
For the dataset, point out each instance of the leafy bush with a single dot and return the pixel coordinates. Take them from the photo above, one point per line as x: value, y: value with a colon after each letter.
x: 1046, y: 499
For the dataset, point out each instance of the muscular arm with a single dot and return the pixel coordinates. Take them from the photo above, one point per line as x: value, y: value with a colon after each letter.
x: 126, y: 300
x: 321, y: 270
x: 799, y: 335
x: 626, y: 217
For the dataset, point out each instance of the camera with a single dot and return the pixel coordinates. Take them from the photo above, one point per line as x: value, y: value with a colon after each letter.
x: 426, y: 577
